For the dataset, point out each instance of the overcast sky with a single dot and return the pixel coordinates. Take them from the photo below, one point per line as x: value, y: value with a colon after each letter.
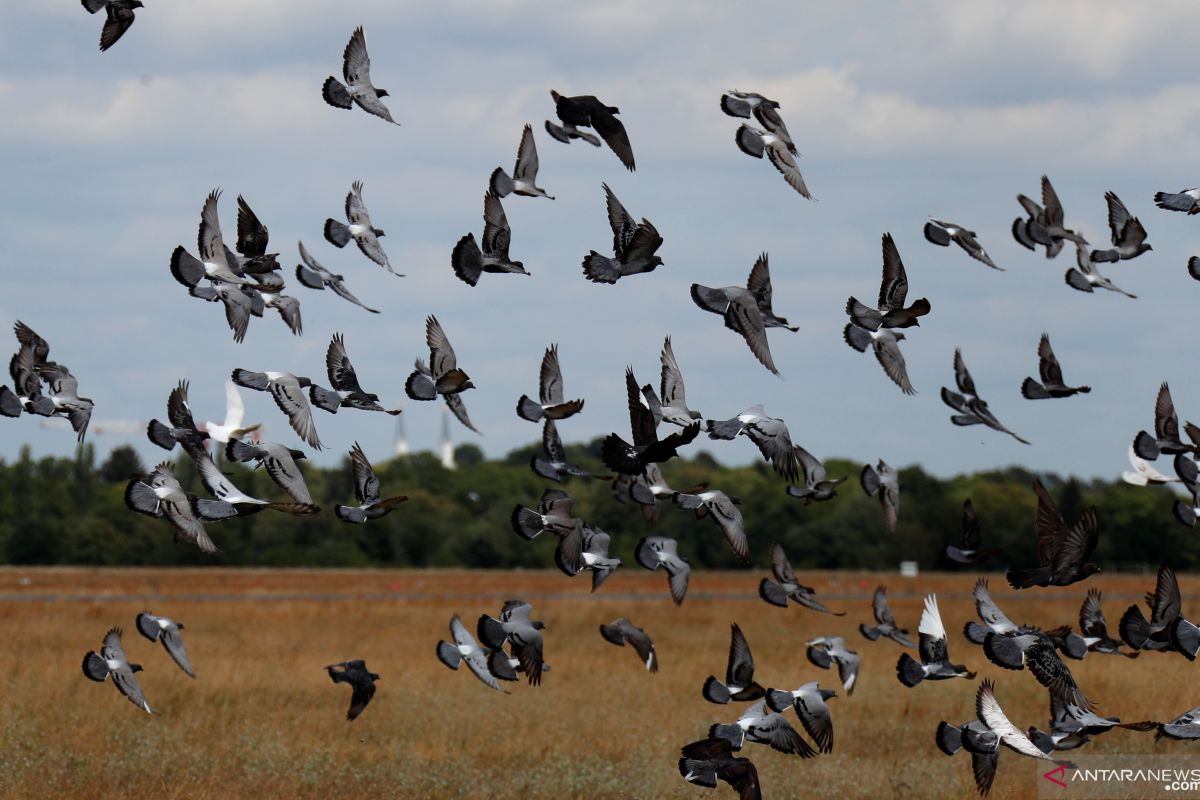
x: 901, y: 112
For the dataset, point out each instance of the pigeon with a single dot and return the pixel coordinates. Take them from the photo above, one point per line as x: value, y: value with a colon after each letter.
x: 315, y: 276
x: 505, y: 666
x: 286, y: 390
x: 645, y: 490
x: 885, y: 622
x: 515, y: 626
x: 361, y: 680
x: 554, y: 514
x: 995, y: 620
x: 1186, y: 200
x: 893, y: 291
x: 550, y: 403
x: 634, y: 246
x: 1052, y: 378
x: 826, y: 650
x: 817, y: 487
x: 183, y: 426
x: 1143, y: 473
x: 469, y: 261
x: 935, y: 659
x: 631, y: 459
x: 811, y: 710
x: 524, y: 178
x: 744, y: 104
x: 252, y: 240
x: 968, y: 551
x: 567, y: 133
x: 742, y: 315
x: 555, y: 465
x: 1062, y: 551
x: 1185, y: 726
x: 788, y: 587
x: 778, y: 148
x: 270, y: 288
x: 884, y: 482
x: 444, y: 377
x: 119, y: 16
x: 739, y: 674
x: 1072, y: 727
x: 366, y: 490
x: 594, y: 555
x: 989, y: 712
x: 709, y: 760
x: 770, y: 436
x: 587, y: 111
x: 1033, y: 649
x: 238, y: 301
x: 653, y: 552
x: 158, y: 494
x: 622, y: 630
x: 112, y: 661
x: 1165, y: 605
x: 943, y: 233
x: 983, y: 745
x: 1030, y: 232
x: 1095, y: 628
x: 1128, y: 235
x: 231, y: 501
x: 360, y: 229
x: 1049, y: 229
x: 465, y: 648
x: 723, y: 510
x: 454, y: 402
x: 63, y: 391
x: 1166, y: 430
x: 23, y: 368
x: 235, y: 415
x: 347, y: 393
x: 1189, y: 476
x: 280, y: 463
x: 672, y: 400
x: 970, y: 407
x: 1087, y: 276
x: 157, y: 628
x: 356, y: 69
x: 887, y: 351
x: 216, y: 262
x: 759, y: 725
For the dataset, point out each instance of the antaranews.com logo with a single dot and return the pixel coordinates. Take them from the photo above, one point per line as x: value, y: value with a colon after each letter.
x: 1116, y: 777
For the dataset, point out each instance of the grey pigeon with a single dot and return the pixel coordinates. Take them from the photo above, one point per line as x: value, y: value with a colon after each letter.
x: 1030, y: 232
x: 183, y: 426
x: 315, y: 276
x: 595, y: 555
x: 469, y: 260
x: 761, y: 726
x: 983, y: 745
x: 1166, y: 430
x: 1186, y: 200
x: 943, y: 233
x: 505, y: 667
x: 724, y: 512
x: 824, y: 651
x: 811, y: 710
x: 1165, y: 606
x: 634, y: 246
x: 817, y: 487
x: 709, y: 760
x: 1062, y: 551
x: 555, y: 465
x: 1128, y: 235
x: 63, y: 390
x: 287, y: 390
x: 356, y: 69
x: 444, y: 376
x: 454, y: 402
x: 515, y: 626
x: 744, y: 104
x: 731, y: 303
x: 1033, y: 649
x: 935, y: 658
x: 1002, y: 732
x: 739, y: 674
x: 788, y: 587
x: 970, y: 408
x: 882, y: 481
x: 1086, y: 276
x: 885, y: 621
x: 1051, y: 374
x: 269, y: 288
x: 587, y: 111
x: 550, y: 403
x: 156, y: 628
x: 361, y: 680
x: 554, y: 514
x: 279, y: 462
x: 653, y: 552
x: 158, y: 494
x: 672, y: 399
x: 645, y: 489
x: 347, y: 393
x: 1051, y: 229
x: 1072, y: 726
x: 886, y: 344
x: 1094, y: 627
x: 216, y: 262
x: 631, y: 459
x: 779, y: 150
x: 119, y: 16
x: 360, y: 229
x: 621, y: 630
x: 1185, y: 726
x: 994, y: 620
x: 371, y: 505
x: 252, y: 240
x: 893, y: 293
x: 969, y: 550
x: 465, y: 648
x: 770, y: 436
x: 1188, y: 475
x: 112, y: 661
x: 230, y: 501
x: 524, y: 178
x: 26, y: 394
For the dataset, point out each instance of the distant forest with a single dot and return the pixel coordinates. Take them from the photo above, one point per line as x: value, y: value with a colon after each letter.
x: 71, y: 511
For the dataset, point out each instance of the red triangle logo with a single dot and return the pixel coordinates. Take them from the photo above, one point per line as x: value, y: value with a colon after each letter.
x: 1061, y: 772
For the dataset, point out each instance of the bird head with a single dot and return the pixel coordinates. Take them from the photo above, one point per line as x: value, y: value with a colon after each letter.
x: 655, y: 261
x: 378, y: 232
x: 374, y: 677
x: 1091, y: 569
x: 900, y: 337
x: 827, y: 693
x: 467, y: 385
x: 136, y: 4
x: 135, y: 667
x: 296, y: 454
x: 613, y: 110
x: 538, y: 625
x: 381, y: 92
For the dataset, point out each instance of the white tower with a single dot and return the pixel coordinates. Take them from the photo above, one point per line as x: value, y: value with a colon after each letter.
x: 445, y: 446
x: 401, y: 447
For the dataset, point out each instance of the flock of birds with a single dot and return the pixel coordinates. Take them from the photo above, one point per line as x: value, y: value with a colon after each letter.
x: 247, y: 280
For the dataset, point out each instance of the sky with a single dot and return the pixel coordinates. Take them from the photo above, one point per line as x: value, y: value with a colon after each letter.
x: 901, y: 112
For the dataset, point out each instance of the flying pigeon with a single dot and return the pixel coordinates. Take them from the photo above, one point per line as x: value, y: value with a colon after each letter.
x: 968, y: 551
x: 935, y: 659
x: 1165, y: 605
x: 1187, y: 200
x: 554, y: 514
x: 360, y: 229
x: 887, y: 351
x: 252, y: 240
x: 361, y: 680
x: 235, y: 415
x: 824, y: 651
x: 63, y: 390
x: 671, y: 399
x: 622, y: 630
x: 119, y: 16
x: 1185, y: 726
x: 1062, y: 551
x: 994, y: 720
x: 709, y: 760
x: 112, y: 661
x: 465, y: 648
x: 883, y: 481
x: 366, y: 490
x: 26, y: 394
x: 158, y: 494
x: 505, y: 667
x: 1072, y: 727
x: 759, y: 725
x: 594, y: 556
x: 347, y: 393
x: 587, y: 111
x: 230, y: 500
x: 645, y: 490
x: 885, y: 622
x: 1033, y: 649
x: 1166, y: 430
x: 744, y: 104
x: 454, y: 402
x: 444, y: 376
x: 1046, y: 224
x: 524, y: 178
x: 811, y: 710
x: 943, y: 233
x: 893, y: 291
x: 269, y: 289
x: 970, y: 408
x: 1143, y: 474
x: 356, y: 69
x: 315, y: 276
x: 788, y: 586
x: 817, y: 487
x: 994, y: 620
x: 287, y: 390
x: 983, y: 745
x: 631, y: 459
x: 653, y: 552
x: 279, y: 462
x: 555, y: 465
x: 157, y: 628
x: 1128, y: 235
x: 779, y: 150
x: 724, y: 512
x: 634, y: 246
x: 1051, y: 374
x: 742, y: 315
x: 216, y: 262
x: 469, y: 261
x: 516, y: 627
x: 1095, y: 628
x: 1189, y: 476
x: 770, y: 436
x: 550, y: 403
x: 1087, y: 276
x: 238, y: 301
x: 739, y: 674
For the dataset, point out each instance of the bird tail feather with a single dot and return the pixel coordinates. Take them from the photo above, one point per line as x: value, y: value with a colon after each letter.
x: 500, y: 183
x: 448, y: 654
x: 909, y: 670
x: 529, y: 410
x: 467, y: 260
x: 186, y: 268
x: 160, y: 434
x: 337, y: 233
x: 1032, y: 390
x: 526, y: 522
x: 715, y: 692
x: 949, y: 738
x: 336, y: 94
x: 600, y: 269
x: 420, y: 386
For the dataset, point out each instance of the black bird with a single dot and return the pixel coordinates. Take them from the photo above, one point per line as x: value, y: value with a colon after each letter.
x: 893, y: 292
x: 360, y: 679
x: 119, y: 18
x: 885, y: 621
x: 1128, y: 235
x: 1165, y: 605
x: 622, y: 630
x: 969, y: 552
x: 550, y: 403
x: 443, y: 377
x: 1033, y: 649
x: 347, y: 392
x: 634, y: 246
x: 366, y: 489
x: 709, y: 760
x: 1166, y: 430
x: 943, y: 233
x: 588, y: 112
x: 935, y: 658
x: 739, y: 674
x: 1062, y: 551
x: 631, y: 459
x: 970, y: 407
x: 1051, y: 374
x: 788, y: 586
x: 1095, y: 628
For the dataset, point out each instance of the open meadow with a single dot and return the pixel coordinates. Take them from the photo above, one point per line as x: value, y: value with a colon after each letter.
x: 263, y: 720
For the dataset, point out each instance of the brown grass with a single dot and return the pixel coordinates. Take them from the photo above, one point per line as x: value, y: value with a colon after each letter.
x: 263, y: 720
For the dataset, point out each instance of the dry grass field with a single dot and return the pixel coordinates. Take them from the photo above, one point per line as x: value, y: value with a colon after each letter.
x: 263, y: 720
